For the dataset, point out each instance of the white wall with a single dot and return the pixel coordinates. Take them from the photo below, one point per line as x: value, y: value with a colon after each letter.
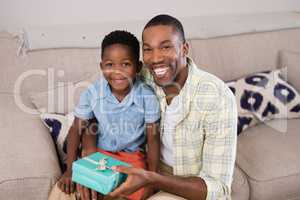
x: 19, y: 13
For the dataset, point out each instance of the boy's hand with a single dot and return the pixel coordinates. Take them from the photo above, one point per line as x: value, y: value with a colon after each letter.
x: 65, y: 183
x: 88, y: 194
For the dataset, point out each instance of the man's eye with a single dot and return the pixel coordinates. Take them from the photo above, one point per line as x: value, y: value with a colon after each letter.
x: 146, y: 49
x: 166, y: 47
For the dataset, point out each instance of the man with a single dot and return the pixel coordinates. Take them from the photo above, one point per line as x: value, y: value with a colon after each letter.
x: 198, y: 123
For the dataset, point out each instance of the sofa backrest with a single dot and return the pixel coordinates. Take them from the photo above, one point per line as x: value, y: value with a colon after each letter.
x: 46, y: 66
x: 235, y: 56
x: 227, y: 57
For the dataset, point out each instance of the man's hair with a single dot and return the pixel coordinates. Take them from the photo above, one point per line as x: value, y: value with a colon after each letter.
x: 124, y: 38
x: 168, y: 21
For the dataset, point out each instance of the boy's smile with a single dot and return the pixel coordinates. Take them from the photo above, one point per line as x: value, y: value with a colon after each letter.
x: 119, y: 69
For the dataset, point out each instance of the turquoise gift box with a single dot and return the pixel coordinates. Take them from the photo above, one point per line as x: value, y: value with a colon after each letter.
x: 86, y: 172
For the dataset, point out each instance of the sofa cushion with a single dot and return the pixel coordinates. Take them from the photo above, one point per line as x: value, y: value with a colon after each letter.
x: 270, y: 158
x: 264, y: 96
x: 33, y: 188
x: 291, y: 60
x: 240, y: 187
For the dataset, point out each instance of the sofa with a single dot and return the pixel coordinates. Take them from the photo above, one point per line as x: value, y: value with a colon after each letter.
x: 267, y: 163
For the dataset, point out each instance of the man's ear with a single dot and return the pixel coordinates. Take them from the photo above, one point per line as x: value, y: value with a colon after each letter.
x: 185, y: 48
x: 139, y: 66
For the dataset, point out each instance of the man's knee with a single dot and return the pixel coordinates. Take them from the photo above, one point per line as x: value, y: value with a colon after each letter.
x: 165, y: 196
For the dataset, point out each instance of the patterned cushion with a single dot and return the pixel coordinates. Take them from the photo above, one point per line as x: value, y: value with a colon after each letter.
x: 291, y: 60
x: 59, y: 126
x: 264, y: 96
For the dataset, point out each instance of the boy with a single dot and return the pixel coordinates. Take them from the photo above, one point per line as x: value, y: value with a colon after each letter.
x: 124, y: 108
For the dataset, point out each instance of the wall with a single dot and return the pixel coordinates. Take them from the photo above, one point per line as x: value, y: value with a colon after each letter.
x: 19, y: 13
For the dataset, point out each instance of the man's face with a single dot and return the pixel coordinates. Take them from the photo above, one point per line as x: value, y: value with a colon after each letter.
x: 164, y: 53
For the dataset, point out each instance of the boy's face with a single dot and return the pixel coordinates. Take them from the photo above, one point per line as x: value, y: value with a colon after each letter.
x: 119, y: 67
x: 164, y: 53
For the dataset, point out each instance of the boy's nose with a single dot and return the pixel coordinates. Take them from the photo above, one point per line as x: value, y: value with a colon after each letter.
x: 117, y: 72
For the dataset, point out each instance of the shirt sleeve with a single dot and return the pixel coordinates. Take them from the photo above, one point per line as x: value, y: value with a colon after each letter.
x: 84, y: 110
x: 219, y: 150
x: 152, y: 108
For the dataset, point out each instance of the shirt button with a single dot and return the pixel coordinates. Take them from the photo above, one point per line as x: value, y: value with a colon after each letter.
x: 113, y: 142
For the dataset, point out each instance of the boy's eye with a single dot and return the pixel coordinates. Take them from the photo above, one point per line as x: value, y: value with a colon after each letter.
x: 126, y: 64
x: 108, y: 64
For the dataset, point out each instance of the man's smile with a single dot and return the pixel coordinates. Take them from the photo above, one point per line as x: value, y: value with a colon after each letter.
x: 160, y: 72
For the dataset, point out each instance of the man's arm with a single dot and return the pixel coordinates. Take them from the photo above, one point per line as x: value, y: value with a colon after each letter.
x: 153, y: 153
x: 192, y: 188
x: 219, y: 149
x: 153, y: 144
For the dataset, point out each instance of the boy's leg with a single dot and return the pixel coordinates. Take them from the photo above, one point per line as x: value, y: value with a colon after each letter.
x: 136, y: 159
x: 57, y: 194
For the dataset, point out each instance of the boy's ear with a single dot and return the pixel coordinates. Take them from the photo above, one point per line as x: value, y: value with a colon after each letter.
x: 139, y: 66
x: 100, y: 65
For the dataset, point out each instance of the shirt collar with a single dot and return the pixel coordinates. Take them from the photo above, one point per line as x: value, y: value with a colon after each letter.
x: 134, y: 96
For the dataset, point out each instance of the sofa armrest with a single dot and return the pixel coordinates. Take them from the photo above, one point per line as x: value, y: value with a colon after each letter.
x: 29, y: 164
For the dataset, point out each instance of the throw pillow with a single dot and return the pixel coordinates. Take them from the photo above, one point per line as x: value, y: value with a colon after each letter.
x: 62, y: 98
x: 59, y: 126
x: 264, y: 96
x: 291, y: 60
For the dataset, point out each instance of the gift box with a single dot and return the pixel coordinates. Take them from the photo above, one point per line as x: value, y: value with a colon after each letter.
x: 94, y: 172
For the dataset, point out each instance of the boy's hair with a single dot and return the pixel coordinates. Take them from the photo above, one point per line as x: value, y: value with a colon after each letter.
x: 125, y: 38
x: 169, y: 21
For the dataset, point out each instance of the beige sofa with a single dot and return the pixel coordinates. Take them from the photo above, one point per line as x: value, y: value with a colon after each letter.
x: 267, y: 164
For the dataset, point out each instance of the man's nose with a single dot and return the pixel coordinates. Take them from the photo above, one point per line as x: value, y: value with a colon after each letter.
x: 157, y: 56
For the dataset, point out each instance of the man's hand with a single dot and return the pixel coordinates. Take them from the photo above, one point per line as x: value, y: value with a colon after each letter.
x: 137, y: 178
x: 65, y: 183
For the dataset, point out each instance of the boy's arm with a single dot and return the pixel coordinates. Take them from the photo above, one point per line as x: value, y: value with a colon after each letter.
x: 89, y: 146
x: 74, y: 137
x: 73, y: 141
x: 89, y: 138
